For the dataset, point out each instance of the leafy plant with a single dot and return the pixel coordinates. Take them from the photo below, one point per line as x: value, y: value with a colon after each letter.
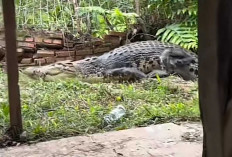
x: 172, y: 21
x: 103, y: 20
x: 179, y: 34
x: 183, y: 31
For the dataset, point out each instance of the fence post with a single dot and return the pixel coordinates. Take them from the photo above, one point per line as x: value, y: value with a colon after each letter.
x: 12, y: 67
x: 215, y: 76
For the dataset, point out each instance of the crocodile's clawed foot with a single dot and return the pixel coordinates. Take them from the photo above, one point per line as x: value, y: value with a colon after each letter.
x: 124, y: 74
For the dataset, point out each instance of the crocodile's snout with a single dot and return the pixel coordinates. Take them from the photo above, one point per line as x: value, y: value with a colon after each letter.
x: 189, y: 71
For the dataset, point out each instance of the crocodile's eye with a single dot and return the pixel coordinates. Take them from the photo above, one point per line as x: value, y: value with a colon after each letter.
x: 191, y: 69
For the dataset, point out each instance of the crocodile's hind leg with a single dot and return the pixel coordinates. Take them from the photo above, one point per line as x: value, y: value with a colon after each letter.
x: 160, y: 73
x: 124, y: 74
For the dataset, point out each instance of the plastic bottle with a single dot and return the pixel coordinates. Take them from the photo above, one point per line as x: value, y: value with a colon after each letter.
x: 115, y: 114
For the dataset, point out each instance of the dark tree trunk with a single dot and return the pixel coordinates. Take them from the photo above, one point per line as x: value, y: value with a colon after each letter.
x: 215, y: 76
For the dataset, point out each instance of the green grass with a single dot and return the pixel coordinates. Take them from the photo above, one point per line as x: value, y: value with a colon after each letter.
x: 64, y: 108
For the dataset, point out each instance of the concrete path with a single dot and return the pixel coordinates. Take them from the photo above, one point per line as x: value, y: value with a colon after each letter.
x: 164, y: 140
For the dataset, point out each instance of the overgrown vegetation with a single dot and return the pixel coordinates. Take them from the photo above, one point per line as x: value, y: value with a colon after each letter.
x: 64, y: 108
x: 173, y: 21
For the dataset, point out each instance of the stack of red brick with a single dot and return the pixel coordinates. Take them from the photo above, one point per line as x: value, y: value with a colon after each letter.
x: 46, y: 48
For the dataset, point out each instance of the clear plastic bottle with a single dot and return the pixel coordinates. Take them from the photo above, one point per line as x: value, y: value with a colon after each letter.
x: 115, y: 114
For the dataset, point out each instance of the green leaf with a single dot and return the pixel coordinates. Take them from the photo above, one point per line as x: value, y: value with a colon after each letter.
x: 160, y: 31
x: 170, y: 35
x: 164, y: 36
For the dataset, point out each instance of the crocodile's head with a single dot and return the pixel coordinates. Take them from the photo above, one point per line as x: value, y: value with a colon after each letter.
x: 181, y: 62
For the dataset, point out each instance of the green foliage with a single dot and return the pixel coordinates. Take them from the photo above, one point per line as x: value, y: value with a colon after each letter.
x: 179, y: 34
x: 173, y: 21
x: 103, y: 20
x: 182, y: 31
x: 123, y: 5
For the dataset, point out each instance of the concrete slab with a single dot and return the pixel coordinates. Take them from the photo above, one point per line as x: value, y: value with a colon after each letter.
x: 164, y: 140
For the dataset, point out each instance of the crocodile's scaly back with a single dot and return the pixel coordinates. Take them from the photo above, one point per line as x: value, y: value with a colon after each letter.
x: 146, y: 56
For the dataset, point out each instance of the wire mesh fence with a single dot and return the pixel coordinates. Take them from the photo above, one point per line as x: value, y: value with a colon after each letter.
x: 46, y: 14
x: 95, y: 17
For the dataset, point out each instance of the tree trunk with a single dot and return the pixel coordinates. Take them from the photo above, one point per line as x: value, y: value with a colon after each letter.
x: 215, y: 76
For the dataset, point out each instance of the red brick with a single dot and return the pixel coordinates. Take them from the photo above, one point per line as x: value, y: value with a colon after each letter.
x: 64, y: 53
x: 29, y: 39
x: 45, y: 53
x: 56, y: 35
x: 26, y: 60
x: 26, y: 44
x: 98, y: 42
x: 40, y: 61
x: 68, y: 49
x: 84, y: 52
x: 28, y: 55
x: 49, y: 41
x: 38, y: 39
x: 78, y: 57
x: 105, y: 45
x: 119, y: 34
x: 115, y: 41
x: 69, y: 44
x: 60, y: 59
x: 50, y: 59
x: 107, y: 38
x: 57, y: 41
x: 79, y: 46
x: 70, y: 58
x: 47, y: 45
x: 102, y: 49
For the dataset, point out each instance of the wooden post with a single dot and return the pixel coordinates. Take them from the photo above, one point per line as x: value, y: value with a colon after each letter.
x: 137, y: 7
x: 12, y: 66
x: 76, y: 11
x: 215, y: 76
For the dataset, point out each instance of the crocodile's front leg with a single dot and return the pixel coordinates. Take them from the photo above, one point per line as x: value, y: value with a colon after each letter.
x: 124, y: 74
x: 160, y: 73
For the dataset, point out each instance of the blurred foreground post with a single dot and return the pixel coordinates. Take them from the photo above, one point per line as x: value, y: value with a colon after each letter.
x: 12, y: 67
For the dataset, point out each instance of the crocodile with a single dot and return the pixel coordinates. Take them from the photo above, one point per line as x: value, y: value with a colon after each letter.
x: 134, y: 61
